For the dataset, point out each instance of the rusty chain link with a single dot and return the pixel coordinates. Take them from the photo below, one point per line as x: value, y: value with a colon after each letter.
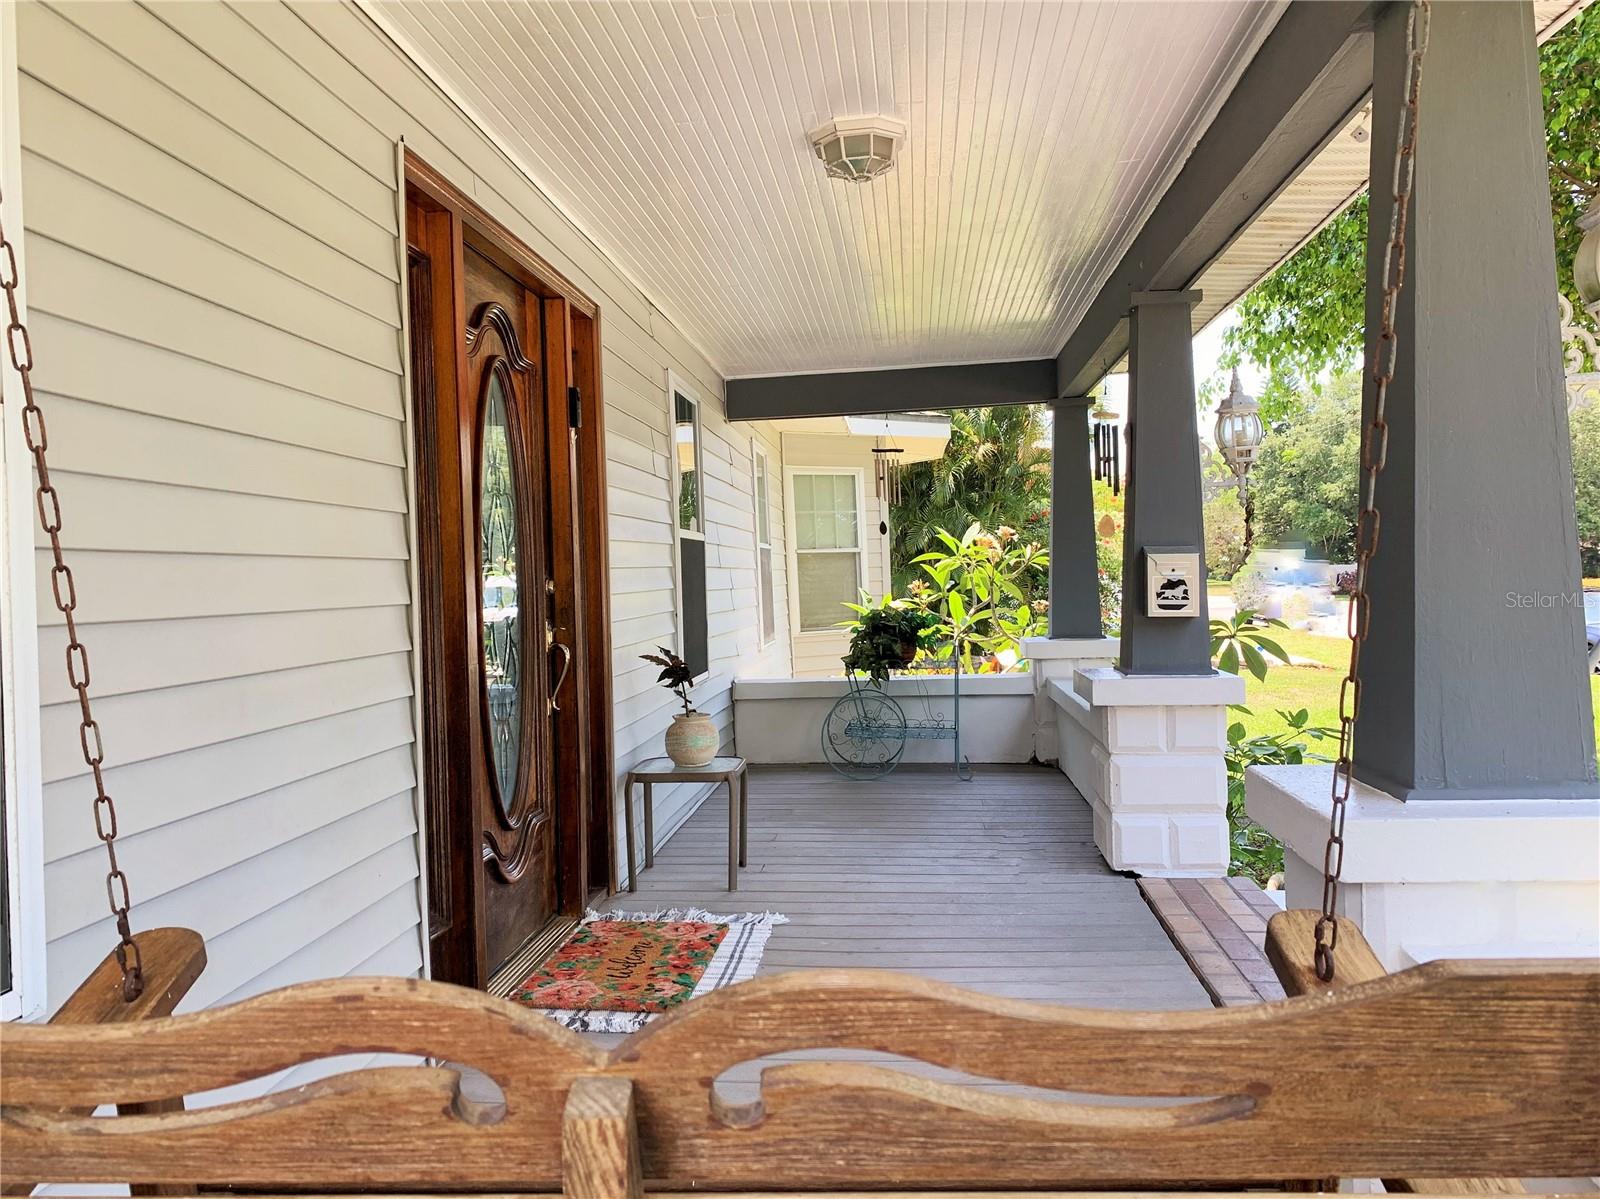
x: 1374, y: 456
x: 65, y: 592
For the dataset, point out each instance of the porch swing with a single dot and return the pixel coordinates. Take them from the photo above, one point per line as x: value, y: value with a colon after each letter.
x: 1440, y: 1078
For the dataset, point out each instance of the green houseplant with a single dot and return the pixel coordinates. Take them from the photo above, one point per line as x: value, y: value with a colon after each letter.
x: 692, y: 740
x: 887, y: 636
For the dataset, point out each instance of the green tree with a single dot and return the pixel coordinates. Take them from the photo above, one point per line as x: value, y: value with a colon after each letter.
x: 1586, y: 483
x: 1309, y: 315
x: 1306, y: 475
x: 994, y: 473
x: 1224, y: 526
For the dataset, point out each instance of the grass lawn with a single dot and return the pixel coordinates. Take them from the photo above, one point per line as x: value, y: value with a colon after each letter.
x: 1315, y: 688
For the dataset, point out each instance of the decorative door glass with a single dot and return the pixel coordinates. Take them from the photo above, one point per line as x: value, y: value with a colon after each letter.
x: 499, y: 510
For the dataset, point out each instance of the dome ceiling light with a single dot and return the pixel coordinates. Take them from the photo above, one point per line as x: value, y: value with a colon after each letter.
x: 858, y: 148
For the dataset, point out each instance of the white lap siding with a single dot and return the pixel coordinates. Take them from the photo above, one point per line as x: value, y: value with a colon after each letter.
x: 213, y: 250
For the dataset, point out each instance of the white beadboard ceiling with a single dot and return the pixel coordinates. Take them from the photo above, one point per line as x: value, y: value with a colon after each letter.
x: 1039, y: 137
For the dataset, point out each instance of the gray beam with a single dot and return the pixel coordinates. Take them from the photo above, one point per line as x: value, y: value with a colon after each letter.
x: 1074, y: 569
x: 1311, y: 73
x: 1163, y: 507
x: 908, y: 389
x: 1474, y: 678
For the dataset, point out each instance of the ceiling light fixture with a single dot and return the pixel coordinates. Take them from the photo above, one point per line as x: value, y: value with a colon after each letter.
x: 858, y: 148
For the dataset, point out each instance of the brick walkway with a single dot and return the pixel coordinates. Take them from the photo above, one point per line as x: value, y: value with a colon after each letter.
x: 1219, y: 925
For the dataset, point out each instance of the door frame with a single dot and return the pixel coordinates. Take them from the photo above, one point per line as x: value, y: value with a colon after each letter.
x: 585, y: 852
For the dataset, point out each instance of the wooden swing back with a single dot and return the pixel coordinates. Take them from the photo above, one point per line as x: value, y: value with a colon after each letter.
x: 1451, y: 1069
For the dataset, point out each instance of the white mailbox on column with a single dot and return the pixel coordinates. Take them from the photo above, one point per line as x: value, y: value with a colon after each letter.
x: 1172, y: 582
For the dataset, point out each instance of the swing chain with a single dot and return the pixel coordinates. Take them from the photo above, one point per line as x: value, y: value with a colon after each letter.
x: 65, y: 592
x: 1374, y: 455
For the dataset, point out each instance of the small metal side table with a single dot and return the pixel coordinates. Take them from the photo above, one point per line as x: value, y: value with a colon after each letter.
x: 664, y: 770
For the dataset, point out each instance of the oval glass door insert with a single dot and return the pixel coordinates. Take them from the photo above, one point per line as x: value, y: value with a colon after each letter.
x: 499, y: 510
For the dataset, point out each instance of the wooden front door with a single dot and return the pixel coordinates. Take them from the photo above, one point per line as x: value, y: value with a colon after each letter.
x: 500, y: 434
x: 509, y: 613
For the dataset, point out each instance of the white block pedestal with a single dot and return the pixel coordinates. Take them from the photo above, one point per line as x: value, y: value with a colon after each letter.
x: 1146, y: 752
x: 1442, y: 878
x: 1057, y: 658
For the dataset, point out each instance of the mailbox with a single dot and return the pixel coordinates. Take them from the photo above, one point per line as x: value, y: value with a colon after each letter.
x: 1172, y: 581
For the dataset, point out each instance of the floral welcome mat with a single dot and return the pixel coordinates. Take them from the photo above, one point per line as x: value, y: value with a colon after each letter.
x: 620, y: 970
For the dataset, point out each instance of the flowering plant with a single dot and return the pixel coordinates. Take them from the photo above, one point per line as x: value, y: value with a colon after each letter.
x: 989, y: 590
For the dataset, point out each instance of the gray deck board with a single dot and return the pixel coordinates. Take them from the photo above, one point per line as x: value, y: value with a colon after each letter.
x: 994, y: 885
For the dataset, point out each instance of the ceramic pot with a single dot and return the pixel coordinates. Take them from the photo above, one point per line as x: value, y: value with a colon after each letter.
x: 693, y: 739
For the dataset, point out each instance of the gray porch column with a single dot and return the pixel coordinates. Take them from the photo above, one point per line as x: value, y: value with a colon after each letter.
x: 1074, y: 572
x: 1164, y: 506
x: 1474, y: 675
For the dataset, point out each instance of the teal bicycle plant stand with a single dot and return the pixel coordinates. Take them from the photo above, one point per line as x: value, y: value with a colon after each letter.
x: 864, y: 734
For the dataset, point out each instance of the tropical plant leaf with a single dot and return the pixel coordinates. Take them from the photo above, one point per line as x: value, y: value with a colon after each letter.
x: 1228, y: 660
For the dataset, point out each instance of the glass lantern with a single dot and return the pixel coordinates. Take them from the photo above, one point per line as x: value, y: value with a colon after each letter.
x: 1239, y: 431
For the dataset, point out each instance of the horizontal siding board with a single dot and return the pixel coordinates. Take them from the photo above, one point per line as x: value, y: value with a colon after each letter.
x: 103, y: 514
x: 81, y: 213
x: 275, y: 74
x: 116, y: 585
x: 229, y: 900
x: 57, y: 52
x: 114, y: 444
x: 140, y: 656
x: 55, y: 127
x: 400, y: 958
x: 80, y: 287
x: 140, y: 37
x: 640, y: 578
x: 174, y: 787
x: 345, y: 949
x: 139, y: 727
x: 311, y: 910
x: 178, y: 854
x: 90, y: 364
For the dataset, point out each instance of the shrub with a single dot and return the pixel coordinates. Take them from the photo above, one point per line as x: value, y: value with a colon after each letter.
x: 1241, y: 643
x: 1108, y: 561
x: 989, y: 589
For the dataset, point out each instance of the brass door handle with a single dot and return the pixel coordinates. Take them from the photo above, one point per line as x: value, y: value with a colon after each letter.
x: 566, y: 669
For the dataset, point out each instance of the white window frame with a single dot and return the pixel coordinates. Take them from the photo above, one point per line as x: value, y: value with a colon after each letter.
x: 792, y: 550
x: 24, y: 999
x: 676, y: 387
x: 761, y: 461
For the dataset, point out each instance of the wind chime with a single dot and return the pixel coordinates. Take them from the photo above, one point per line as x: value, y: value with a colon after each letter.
x: 886, y: 471
x: 1107, y: 449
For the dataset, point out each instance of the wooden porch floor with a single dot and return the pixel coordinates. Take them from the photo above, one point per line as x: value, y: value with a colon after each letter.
x: 994, y: 885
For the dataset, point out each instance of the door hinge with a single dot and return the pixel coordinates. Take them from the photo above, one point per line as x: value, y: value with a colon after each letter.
x: 575, y: 407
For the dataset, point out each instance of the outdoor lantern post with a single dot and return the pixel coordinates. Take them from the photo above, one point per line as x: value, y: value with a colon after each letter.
x: 1239, y: 434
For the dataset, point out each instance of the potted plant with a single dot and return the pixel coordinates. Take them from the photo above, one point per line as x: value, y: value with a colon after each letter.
x: 887, y: 637
x: 693, y: 739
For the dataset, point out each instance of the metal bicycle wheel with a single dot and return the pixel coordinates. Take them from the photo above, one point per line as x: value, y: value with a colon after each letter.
x: 864, y: 734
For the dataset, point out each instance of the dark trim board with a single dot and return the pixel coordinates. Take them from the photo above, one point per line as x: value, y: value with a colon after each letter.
x: 1310, y: 75
x: 906, y: 389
